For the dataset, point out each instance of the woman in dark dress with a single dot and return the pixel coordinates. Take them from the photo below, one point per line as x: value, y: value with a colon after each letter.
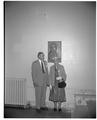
x: 57, y: 95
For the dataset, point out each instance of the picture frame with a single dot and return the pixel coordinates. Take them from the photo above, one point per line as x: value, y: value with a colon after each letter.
x: 54, y: 51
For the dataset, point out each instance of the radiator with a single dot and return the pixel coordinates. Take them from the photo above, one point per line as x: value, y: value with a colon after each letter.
x: 15, y: 91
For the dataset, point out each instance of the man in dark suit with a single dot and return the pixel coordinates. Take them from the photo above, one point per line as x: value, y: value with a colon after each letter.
x: 40, y: 81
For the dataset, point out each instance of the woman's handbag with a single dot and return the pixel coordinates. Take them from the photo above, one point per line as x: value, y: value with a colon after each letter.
x: 62, y: 84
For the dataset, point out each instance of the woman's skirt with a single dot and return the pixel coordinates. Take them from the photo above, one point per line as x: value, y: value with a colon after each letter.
x: 57, y: 94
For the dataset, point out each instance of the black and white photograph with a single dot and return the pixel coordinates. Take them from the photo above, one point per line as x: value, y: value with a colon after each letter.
x: 49, y: 59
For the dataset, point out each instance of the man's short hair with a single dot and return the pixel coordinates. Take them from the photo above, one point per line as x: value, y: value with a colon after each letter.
x: 39, y: 54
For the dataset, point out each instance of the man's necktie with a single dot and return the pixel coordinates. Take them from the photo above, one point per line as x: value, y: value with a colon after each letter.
x: 43, y: 70
x: 56, y: 71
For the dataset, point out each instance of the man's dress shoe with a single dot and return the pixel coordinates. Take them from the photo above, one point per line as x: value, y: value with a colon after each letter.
x: 38, y: 110
x: 44, y: 108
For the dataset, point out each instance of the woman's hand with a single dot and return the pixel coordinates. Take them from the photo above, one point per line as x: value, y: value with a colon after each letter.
x: 59, y: 78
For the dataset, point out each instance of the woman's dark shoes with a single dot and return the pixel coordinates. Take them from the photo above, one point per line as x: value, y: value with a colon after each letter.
x: 60, y: 110
x: 55, y: 109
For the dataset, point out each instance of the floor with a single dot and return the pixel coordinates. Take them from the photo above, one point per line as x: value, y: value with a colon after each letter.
x: 17, y: 112
x: 31, y: 113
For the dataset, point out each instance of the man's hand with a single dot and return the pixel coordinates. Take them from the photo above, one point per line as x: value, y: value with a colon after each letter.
x: 50, y: 87
x: 47, y: 85
x: 35, y: 85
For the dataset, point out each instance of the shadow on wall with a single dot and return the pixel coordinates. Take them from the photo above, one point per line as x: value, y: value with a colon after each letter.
x: 88, y: 111
x: 92, y: 108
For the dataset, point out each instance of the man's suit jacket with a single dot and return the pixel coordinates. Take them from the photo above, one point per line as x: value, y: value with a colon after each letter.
x: 39, y: 78
x: 52, y: 73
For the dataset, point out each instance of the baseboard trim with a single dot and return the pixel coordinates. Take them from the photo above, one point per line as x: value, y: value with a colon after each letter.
x: 14, y: 106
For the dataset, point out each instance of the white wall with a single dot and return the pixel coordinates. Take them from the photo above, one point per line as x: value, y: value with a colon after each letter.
x: 30, y: 25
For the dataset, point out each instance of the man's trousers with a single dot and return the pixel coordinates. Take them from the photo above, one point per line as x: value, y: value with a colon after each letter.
x: 40, y: 96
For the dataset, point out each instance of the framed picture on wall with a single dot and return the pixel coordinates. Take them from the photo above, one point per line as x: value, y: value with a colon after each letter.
x: 54, y: 51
